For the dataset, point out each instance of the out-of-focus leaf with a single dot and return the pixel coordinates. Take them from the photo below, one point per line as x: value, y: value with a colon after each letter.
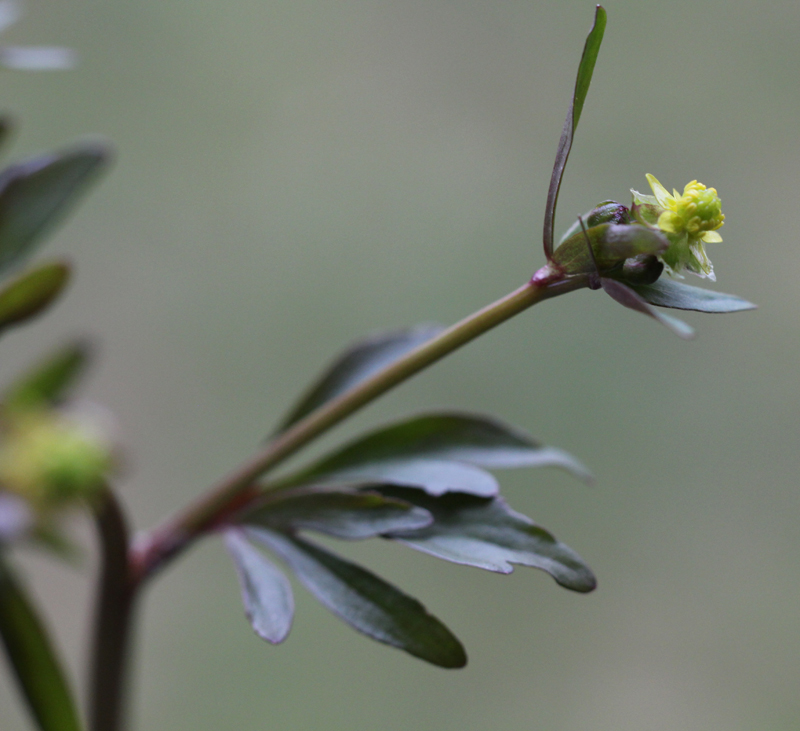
x: 15, y: 517
x: 623, y: 294
x: 36, y: 194
x: 50, y: 380
x: 432, y: 475
x: 366, y: 602
x: 266, y: 592
x: 350, y: 514
x: 669, y: 293
x: 611, y: 244
x: 457, y: 437
x: 6, y: 128
x: 358, y: 363
x: 32, y: 658
x: 584, y: 78
x: 32, y: 292
x: 487, y: 533
x: 37, y: 58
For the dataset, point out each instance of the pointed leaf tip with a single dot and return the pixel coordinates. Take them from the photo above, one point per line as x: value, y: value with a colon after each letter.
x: 36, y: 194
x: 667, y: 292
x: 584, y: 78
x: 627, y: 297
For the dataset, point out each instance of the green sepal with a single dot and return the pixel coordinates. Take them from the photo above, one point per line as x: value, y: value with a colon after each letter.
x: 611, y: 243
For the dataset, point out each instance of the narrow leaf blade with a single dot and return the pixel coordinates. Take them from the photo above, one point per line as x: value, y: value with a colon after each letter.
x: 623, y: 294
x: 49, y: 381
x: 349, y: 514
x: 358, y: 363
x: 583, y: 80
x: 676, y: 295
x: 29, y: 294
x: 488, y: 534
x: 473, y: 439
x: 36, y: 194
x: 266, y: 592
x: 366, y: 602
x: 33, y: 659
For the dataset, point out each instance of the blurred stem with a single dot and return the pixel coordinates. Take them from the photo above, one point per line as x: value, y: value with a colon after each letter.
x: 156, y: 549
x: 113, y: 616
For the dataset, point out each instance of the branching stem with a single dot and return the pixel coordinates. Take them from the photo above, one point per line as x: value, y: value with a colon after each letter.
x: 156, y: 549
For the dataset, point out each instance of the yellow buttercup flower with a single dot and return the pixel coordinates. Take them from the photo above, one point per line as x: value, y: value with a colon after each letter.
x: 689, y: 221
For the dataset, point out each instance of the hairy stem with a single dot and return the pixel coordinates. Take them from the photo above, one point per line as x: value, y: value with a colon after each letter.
x: 155, y: 550
x: 113, y: 618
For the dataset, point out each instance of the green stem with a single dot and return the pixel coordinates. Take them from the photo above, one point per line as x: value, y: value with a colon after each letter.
x: 167, y: 541
x: 113, y: 619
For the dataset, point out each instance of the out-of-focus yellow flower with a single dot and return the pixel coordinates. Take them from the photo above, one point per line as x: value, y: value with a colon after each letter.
x: 689, y: 221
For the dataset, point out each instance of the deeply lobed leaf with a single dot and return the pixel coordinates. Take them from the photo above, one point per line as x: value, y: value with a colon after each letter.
x: 488, y: 534
x: 365, y: 601
x: 437, y: 449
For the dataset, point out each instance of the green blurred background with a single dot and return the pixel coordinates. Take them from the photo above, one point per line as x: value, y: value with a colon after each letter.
x: 294, y: 175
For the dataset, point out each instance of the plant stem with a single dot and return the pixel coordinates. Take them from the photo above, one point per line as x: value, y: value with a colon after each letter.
x: 156, y: 549
x: 113, y: 615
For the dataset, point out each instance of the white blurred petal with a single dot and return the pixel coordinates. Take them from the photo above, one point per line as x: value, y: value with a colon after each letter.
x: 37, y: 58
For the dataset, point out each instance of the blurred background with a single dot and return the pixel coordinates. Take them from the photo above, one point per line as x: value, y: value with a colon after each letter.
x: 293, y: 176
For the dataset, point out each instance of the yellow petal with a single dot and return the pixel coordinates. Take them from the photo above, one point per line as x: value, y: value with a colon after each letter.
x: 660, y: 192
x: 711, y: 237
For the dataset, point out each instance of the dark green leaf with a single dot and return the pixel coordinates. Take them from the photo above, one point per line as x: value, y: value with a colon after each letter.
x: 342, y: 513
x: 50, y: 380
x: 488, y: 534
x: 358, y: 363
x: 266, y: 592
x: 31, y: 293
x: 669, y: 293
x: 366, y: 602
x: 32, y: 658
x: 432, y: 475
x: 611, y: 244
x: 623, y: 294
x: 451, y: 437
x: 584, y: 78
x: 36, y: 194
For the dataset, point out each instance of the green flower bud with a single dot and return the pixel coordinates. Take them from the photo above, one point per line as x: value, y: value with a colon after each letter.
x: 52, y: 460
